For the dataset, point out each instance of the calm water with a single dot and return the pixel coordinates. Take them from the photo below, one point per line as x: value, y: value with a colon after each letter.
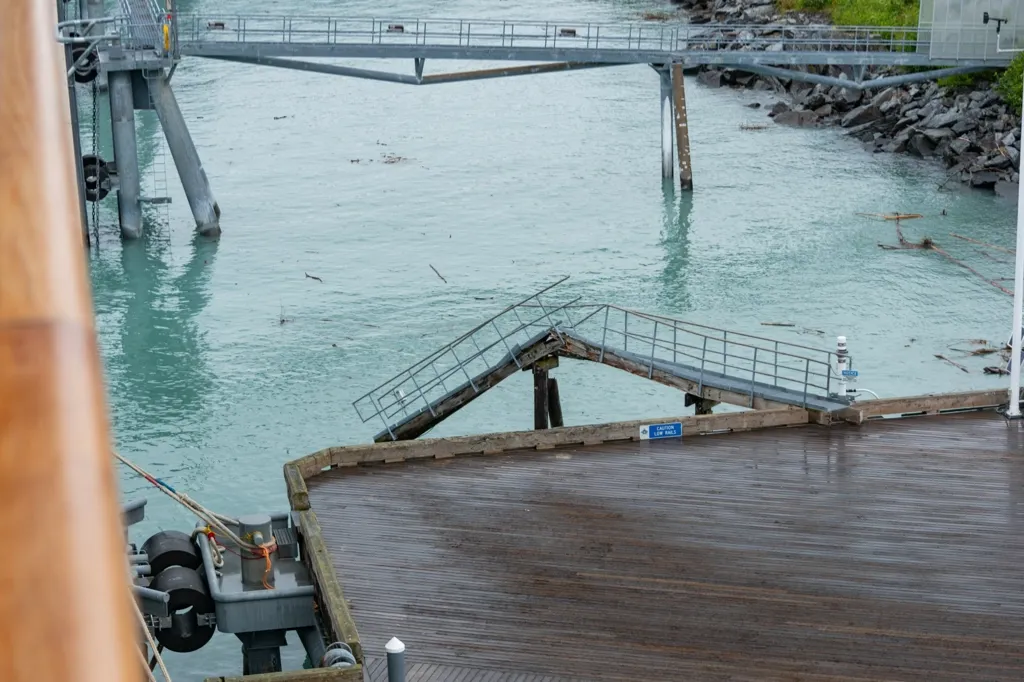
x: 505, y: 185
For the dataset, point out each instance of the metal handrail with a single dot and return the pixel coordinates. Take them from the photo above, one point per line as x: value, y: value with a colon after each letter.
x: 754, y: 360
x: 389, y: 399
x: 196, y: 27
x: 751, y: 359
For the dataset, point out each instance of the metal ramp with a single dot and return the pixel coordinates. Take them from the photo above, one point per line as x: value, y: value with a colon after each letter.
x: 227, y: 35
x: 141, y: 28
x: 707, y: 362
x: 414, y: 401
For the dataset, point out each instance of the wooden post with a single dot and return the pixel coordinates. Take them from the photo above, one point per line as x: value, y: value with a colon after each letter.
x: 682, y: 129
x: 701, y: 405
x: 540, y: 397
x: 65, y: 605
x: 554, y: 404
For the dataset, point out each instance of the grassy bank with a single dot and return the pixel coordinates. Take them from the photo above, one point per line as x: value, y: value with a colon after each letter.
x: 905, y: 13
x: 860, y: 12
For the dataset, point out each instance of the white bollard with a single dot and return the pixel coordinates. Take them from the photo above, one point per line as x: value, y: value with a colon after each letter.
x: 396, y: 660
x: 842, y: 359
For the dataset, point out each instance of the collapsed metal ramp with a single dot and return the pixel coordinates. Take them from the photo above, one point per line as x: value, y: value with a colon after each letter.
x: 707, y: 362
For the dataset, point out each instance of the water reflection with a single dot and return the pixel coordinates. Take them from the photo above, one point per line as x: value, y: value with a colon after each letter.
x: 676, y: 219
x: 160, y: 375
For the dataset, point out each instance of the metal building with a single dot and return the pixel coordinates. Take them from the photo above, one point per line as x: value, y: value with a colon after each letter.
x: 957, y: 29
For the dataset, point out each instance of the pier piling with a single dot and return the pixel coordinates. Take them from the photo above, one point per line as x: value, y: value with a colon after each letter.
x: 682, y: 127
x: 186, y: 159
x: 540, y: 397
x: 666, y: 122
x: 554, y: 404
x: 122, y: 121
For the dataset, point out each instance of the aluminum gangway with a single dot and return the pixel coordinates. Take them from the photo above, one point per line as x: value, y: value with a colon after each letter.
x: 705, y: 362
x: 249, y: 37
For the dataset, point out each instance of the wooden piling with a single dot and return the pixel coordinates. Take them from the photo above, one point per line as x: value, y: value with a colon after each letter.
x: 554, y: 404
x: 701, y: 405
x: 682, y: 129
x: 540, y: 398
x: 65, y: 603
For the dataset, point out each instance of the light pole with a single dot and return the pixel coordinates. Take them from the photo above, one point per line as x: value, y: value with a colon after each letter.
x: 1013, y: 411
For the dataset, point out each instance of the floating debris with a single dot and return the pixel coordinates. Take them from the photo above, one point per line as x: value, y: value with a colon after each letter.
x: 984, y: 351
x: 393, y: 158
x: 778, y: 324
x: 754, y: 126
x: 892, y: 216
x: 309, y: 276
x: 438, y: 273
x: 928, y: 244
x: 981, y: 243
x: 995, y: 370
x: 940, y: 356
x: 278, y: 118
x: 977, y: 342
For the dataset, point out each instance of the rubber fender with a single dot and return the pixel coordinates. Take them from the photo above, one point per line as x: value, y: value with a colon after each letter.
x: 96, y: 177
x: 188, y: 599
x: 171, y: 548
x: 88, y: 70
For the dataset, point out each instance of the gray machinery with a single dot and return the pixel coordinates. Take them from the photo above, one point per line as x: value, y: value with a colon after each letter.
x: 189, y: 586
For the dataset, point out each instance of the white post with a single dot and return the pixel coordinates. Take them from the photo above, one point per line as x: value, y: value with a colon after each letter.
x: 396, y: 660
x: 1018, y: 304
x: 842, y: 358
x: 667, y: 123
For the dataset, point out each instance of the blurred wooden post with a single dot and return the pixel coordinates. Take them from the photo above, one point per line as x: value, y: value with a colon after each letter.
x: 65, y: 609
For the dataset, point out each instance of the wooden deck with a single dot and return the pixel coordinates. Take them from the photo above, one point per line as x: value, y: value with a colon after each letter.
x: 892, y: 550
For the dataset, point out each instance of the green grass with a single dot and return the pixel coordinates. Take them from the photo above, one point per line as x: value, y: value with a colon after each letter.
x: 860, y: 12
x: 969, y: 80
x: 1009, y: 85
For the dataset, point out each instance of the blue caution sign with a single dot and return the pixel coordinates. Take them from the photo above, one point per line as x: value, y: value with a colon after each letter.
x: 656, y: 431
x: 850, y: 373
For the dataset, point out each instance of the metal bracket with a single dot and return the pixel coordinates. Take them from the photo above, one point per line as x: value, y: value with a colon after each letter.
x: 81, y: 37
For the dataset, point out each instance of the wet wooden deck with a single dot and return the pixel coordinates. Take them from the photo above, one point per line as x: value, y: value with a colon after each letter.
x: 893, y: 550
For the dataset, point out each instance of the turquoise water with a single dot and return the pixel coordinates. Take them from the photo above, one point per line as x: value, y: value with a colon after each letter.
x: 505, y: 186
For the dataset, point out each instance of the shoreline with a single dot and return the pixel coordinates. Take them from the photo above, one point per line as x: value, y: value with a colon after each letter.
x: 968, y: 129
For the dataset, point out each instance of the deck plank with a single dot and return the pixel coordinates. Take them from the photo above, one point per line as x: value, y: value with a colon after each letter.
x: 893, y: 550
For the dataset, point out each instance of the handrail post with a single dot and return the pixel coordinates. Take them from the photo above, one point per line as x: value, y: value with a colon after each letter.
x: 604, y: 333
x: 753, y: 378
x: 776, y: 368
x: 55, y: 452
x: 654, y: 340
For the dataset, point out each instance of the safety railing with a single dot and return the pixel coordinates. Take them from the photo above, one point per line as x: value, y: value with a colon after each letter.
x: 645, y: 37
x: 141, y: 24
x: 752, y: 362
x: 457, y: 364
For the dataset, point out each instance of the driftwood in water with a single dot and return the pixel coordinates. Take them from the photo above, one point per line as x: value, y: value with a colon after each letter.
x: 930, y: 245
x: 981, y: 243
x: 940, y: 356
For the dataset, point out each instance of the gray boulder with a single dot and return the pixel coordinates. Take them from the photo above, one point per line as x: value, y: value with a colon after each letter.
x: 796, y: 118
x: 920, y: 146
x: 860, y: 115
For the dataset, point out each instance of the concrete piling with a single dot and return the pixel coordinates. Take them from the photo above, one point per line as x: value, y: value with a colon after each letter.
x: 122, y: 121
x: 186, y: 159
x: 666, y: 123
